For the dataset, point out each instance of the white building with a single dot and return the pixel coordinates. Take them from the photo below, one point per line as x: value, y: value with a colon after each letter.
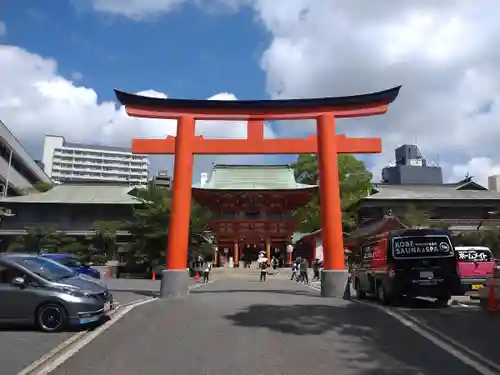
x: 494, y: 182
x: 64, y: 161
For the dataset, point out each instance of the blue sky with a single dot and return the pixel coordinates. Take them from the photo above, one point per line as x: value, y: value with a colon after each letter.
x: 188, y: 53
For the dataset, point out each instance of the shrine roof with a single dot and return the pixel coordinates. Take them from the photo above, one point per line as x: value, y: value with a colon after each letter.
x: 458, y: 191
x: 253, y: 177
x: 386, y: 96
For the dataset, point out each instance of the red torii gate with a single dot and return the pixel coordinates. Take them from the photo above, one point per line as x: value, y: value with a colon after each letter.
x: 327, y: 144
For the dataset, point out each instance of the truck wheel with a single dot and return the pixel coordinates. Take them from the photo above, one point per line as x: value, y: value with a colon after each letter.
x: 442, y: 301
x: 382, y: 295
x: 360, y: 294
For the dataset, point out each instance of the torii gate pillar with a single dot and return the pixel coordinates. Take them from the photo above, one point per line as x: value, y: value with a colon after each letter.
x: 327, y: 144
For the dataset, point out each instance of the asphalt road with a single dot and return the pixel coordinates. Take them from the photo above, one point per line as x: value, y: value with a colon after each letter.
x: 241, y: 327
x: 20, y: 346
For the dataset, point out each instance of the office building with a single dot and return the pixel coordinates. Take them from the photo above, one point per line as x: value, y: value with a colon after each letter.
x: 162, y: 179
x: 411, y: 168
x: 75, y: 162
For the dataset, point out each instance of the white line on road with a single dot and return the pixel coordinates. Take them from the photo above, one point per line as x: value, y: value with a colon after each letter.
x: 454, y: 348
x: 71, y: 346
x: 471, y: 358
x: 67, y: 349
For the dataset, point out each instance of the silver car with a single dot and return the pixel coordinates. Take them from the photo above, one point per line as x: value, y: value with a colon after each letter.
x: 40, y: 291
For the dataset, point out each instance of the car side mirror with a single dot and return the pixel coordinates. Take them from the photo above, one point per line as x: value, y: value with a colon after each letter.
x: 18, y: 281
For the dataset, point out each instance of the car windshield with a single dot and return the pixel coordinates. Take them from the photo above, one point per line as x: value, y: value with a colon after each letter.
x: 45, y: 268
x: 475, y: 255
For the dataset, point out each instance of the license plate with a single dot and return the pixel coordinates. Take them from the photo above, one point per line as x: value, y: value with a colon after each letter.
x: 107, y: 306
x: 477, y: 286
x: 426, y: 274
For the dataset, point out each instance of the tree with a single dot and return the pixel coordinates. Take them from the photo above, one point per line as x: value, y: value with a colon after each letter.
x: 150, y: 223
x: 354, y: 183
x: 37, y: 239
x: 103, y: 240
x: 415, y: 218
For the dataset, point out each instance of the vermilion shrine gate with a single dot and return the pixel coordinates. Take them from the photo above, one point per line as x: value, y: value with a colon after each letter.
x: 327, y: 144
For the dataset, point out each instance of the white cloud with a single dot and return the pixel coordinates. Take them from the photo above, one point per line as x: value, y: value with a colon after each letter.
x: 441, y: 52
x: 36, y: 100
x: 3, y: 29
x: 152, y: 9
x: 479, y: 168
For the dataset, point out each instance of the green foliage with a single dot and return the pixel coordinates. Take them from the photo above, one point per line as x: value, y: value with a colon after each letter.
x: 42, y: 187
x: 489, y: 238
x: 415, y: 218
x: 150, y: 224
x: 47, y: 239
x: 199, y: 218
x: 103, y: 240
x: 355, y: 184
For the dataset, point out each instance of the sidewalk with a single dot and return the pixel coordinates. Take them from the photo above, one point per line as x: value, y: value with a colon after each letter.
x: 241, y: 328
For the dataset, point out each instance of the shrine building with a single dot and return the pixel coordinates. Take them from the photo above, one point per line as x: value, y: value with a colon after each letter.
x: 251, y: 211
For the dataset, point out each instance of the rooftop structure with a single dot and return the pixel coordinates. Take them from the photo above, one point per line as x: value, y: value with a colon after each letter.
x: 66, y: 161
x: 79, y: 194
x: 411, y: 168
x: 251, y: 177
x: 18, y: 171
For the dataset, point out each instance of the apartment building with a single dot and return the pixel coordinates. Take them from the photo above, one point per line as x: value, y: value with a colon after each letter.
x: 75, y: 162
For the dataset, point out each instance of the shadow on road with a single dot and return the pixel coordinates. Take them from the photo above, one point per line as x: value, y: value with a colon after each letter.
x: 375, y: 344
x: 304, y: 293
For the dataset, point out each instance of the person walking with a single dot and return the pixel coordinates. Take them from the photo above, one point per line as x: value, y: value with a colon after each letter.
x: 263, y: 271
x: 303, y: 272
x: 294, y: 271
x: 206, y: 271
x: 317, y: 265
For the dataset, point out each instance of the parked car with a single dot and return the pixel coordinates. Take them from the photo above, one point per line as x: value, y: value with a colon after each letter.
x: 410, y: 262
x: 475, y: 264
x: 38, y: 290
x: 73, y: 262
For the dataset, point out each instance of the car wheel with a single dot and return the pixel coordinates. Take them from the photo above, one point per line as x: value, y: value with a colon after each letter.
x: 382, y: 295
x: 51, y: 317
x: 360, y: 294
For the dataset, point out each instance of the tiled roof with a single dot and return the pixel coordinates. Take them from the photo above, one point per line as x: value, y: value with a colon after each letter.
x: 253, y: 177
x: 431, y: 192
x: 79, y: 194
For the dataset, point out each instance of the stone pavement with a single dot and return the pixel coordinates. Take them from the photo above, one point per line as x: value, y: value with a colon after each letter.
x: 246, y: 327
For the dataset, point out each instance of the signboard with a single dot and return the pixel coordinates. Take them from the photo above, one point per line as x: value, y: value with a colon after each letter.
x: 478, y: 255
x: 430, y: 246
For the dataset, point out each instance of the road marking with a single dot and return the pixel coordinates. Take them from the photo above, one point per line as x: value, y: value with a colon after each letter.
x: 446, y: 343
x: 67, y: 349
x: 471, y: 358
x: 72, y: 345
